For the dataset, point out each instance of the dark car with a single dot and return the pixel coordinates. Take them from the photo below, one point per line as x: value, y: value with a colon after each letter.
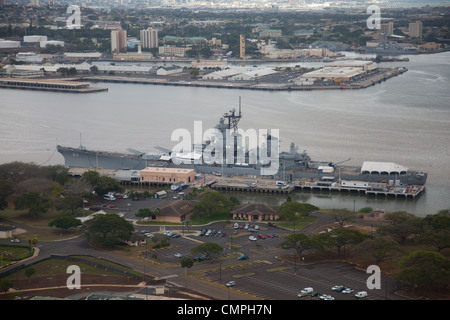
x: 203, y: 232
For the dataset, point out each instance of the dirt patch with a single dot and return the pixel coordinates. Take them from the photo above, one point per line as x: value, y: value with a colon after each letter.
x: 55, y: 286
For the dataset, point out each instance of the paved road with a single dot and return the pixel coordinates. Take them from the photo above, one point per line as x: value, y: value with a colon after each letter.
x: 263, y: 276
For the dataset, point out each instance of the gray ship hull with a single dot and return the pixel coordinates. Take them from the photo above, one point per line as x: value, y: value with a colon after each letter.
x: 290, y: 167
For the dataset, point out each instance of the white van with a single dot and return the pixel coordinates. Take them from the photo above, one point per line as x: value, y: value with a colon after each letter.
x: 306, y: 291
x: 109, y: 197
x: 361, y: 294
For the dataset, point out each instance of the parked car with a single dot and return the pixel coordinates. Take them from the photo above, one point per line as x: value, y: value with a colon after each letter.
x: 347, y: 291
x: 361, y: 294
x: 203, y: 232
x: 252, y: 238
x: 208, y: 233
x: 231, y: 283
x: 306, y: 291
x: 224, y: 234
x: 326, y: 297
x: 178, y: 255
x: 260, y: 236
x: 236, y: 226
x: 338, y: 288
x: 243, y: 258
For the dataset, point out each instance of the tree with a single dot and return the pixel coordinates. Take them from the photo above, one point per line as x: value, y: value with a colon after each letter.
x: 5, y: 285
x: 91, y: 177
x: 212, y: 202
x: 78, y: 187
x: 291, y: 210
x: 71, y: 203
x: 108, y: 229
x: 144, y: 213
x: 301, y: 243
x: 379, y: 249
x: 6, y: 189
x: 34, y: 202
x: 342, y: 216
x: 207, y: 249
x: 65, y: 223
x: 93, y: 69
x: 29, y: 272
x: 425, y: 269
x: 186, y: 263
x: 58, y: 173
x: 340, y: 237
x: 32, y: 241
x: 402, y: 226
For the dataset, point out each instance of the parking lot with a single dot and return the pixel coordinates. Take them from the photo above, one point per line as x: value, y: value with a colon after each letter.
x: 263, y: 274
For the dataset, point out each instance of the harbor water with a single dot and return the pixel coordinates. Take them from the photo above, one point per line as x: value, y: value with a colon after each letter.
x: 405, y: 120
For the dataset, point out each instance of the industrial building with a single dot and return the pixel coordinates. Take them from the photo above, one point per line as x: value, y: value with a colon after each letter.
x: 339, y: 71
x: 239, y: 74
x: 166, y: 175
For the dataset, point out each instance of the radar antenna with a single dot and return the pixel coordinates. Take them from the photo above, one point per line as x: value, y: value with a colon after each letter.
x: 233, y: 119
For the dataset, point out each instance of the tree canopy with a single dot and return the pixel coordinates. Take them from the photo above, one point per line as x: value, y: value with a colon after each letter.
x: 108, y: 229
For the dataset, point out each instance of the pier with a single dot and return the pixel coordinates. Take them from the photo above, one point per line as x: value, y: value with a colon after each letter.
x: 372, y: 80
x: 408, y: 192
x: 244, y: 185
x: 49, y: 85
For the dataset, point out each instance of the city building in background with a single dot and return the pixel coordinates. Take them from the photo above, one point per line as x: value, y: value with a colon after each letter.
x: 118, y: 40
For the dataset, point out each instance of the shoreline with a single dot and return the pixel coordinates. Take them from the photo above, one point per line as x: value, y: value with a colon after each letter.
x: 252, y: 85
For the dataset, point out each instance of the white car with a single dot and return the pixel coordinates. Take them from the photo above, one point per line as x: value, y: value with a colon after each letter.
x: 252, y: 238
x: 361, y: 294
x: 178, y: 255
x: 149, y: 235
x: 231, y: 284
x: 347, y: 291
x: 326, y: 297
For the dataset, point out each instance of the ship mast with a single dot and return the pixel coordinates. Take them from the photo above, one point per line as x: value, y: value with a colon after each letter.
x: 233, y: 119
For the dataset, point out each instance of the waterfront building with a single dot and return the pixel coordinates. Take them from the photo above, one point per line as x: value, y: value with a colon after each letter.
x: 118, y: 40
x: 415, y: 30
x: 339, y: 71
x: 44, y: 44
x: 166, y: 71
x: 149, y: 38
x: 34, y: 38
x: 9, y: 44
x: 166, y: 175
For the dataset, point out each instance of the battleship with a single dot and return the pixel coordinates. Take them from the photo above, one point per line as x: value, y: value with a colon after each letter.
x: 392, y: 48
x: 290, y: 165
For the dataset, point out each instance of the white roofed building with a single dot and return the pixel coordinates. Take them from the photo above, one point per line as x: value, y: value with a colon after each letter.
x: 383, y: 168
